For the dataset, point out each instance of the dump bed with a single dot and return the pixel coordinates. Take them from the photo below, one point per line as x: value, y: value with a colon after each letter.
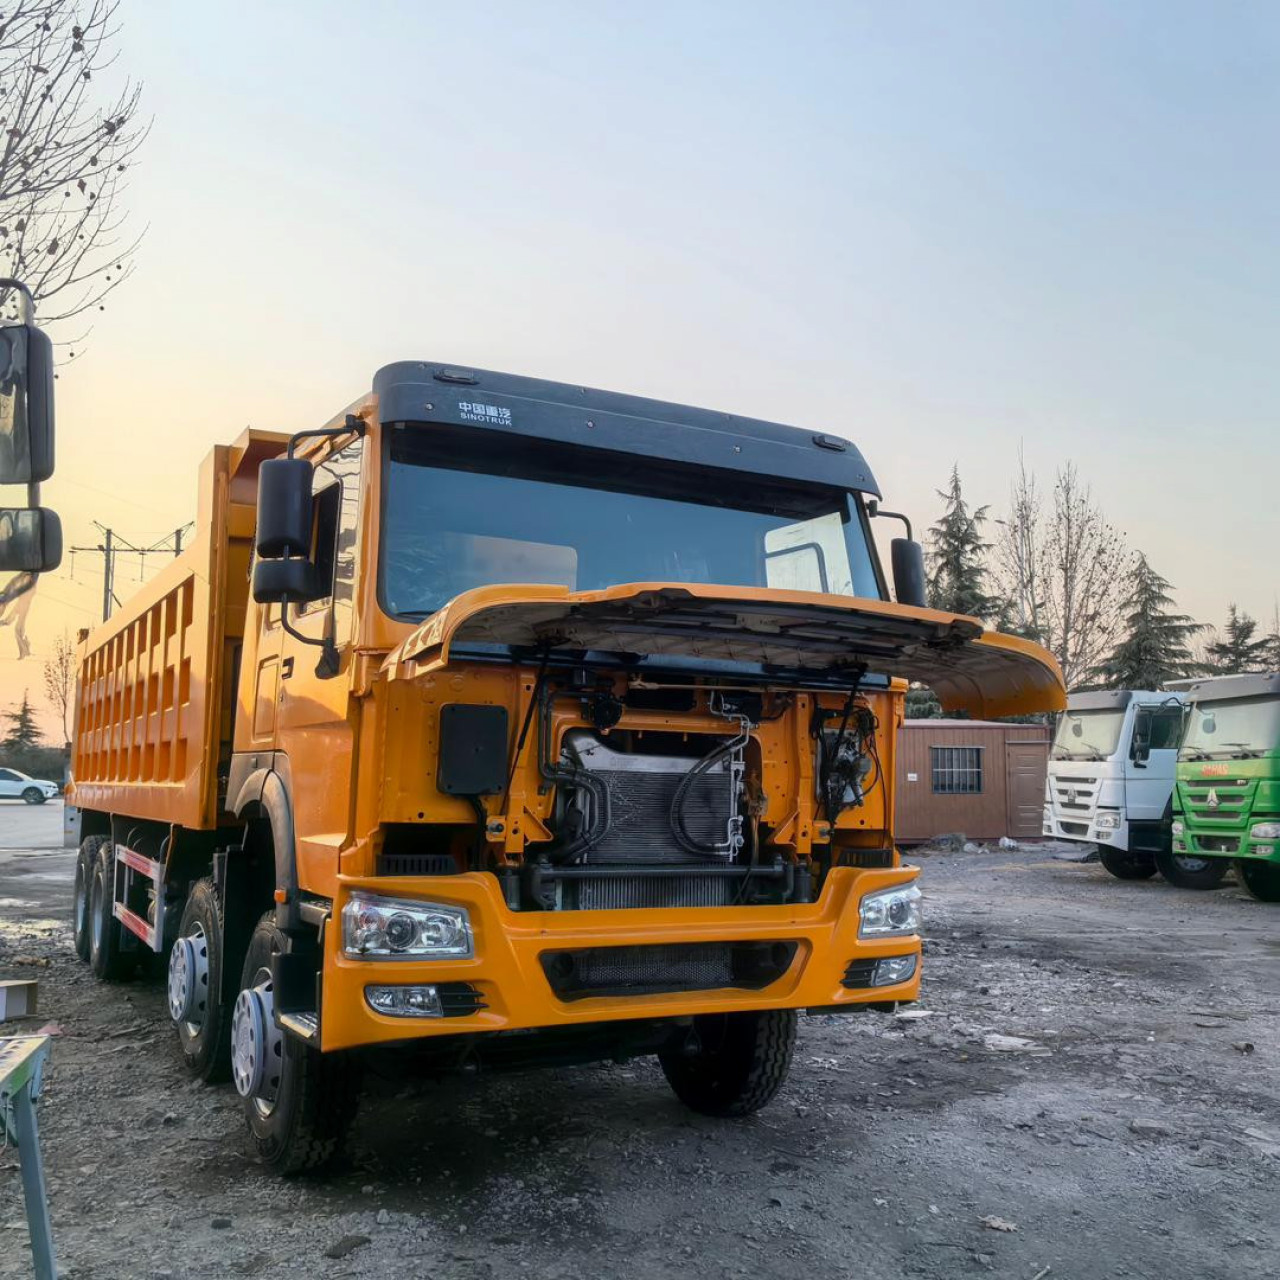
x: 154, y: 696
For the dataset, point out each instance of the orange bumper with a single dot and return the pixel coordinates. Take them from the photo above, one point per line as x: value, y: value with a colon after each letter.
x: 507, y: 971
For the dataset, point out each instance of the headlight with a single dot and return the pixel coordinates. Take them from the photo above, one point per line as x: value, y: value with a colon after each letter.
x: 376, y: 928
x: 890, y: 911
x: 1177, y: 828
x: 1265, y: 831
x: 1107, y: 821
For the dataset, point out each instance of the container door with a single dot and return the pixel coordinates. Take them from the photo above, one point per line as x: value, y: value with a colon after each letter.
x: 1025, y: 765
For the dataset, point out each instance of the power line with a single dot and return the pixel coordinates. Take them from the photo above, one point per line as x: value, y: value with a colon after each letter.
x: 114, y: 545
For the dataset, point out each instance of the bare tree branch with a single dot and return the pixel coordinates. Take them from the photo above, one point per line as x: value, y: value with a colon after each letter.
x: 64, y: 160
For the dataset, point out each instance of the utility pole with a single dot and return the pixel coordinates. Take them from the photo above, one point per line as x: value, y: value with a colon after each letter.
x: 113, y: 545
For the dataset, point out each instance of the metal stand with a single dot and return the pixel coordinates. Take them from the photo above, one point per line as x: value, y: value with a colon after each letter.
x: 21, y: 1062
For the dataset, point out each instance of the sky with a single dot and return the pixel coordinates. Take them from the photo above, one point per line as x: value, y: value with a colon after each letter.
x: 943, y: 230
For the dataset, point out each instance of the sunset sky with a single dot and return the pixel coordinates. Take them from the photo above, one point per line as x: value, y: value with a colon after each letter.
x: 939, y: 229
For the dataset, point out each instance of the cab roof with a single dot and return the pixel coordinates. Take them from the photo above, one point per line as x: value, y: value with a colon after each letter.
x: 1219, y: 688
x: 533, y: 408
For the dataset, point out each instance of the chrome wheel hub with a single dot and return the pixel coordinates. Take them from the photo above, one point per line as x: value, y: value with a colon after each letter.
x: 257, y: 1044
x: 189, y: 979
x: 1191, y: 865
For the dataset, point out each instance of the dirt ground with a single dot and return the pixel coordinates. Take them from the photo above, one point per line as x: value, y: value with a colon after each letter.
x: 1092, y: 1068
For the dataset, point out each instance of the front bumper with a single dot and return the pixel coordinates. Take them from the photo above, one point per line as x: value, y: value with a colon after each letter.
x: 1083, y: 826
x: 507, y: 970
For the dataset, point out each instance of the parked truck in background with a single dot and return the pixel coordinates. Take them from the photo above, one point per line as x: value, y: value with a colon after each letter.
x: 1227, y: 799
x: 1110, y: 779
x: 557, y: 725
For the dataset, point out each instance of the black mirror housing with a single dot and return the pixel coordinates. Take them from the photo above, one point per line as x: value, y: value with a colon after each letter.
x: 908, y: 572
x: 26, y: 405
x: 284, y: 582
x: 30, y: 540
x: 284, y: 508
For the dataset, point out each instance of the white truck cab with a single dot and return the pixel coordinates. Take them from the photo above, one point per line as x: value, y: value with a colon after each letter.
x: 1111, y: 773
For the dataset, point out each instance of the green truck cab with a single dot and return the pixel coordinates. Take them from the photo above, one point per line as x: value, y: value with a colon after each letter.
x: 1226, y: 800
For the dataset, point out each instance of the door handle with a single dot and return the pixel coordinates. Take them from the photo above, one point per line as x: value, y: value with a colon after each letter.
x: 286, y: 668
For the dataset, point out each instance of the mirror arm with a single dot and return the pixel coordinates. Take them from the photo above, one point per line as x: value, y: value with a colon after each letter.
x: 874, y: 509
x: 352, y: 426
x: 328, y: 662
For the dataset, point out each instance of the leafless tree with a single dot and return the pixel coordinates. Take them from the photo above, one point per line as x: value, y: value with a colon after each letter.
x: 60, y: 681
x: 65, y: 157
x: 1018, y: 554
x: 1084, y: 566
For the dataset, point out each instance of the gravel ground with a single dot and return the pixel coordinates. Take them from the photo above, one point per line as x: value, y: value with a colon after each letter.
x: 1088, y: 1088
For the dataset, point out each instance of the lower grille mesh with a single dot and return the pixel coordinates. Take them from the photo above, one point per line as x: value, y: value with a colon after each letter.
x: 616, y: 893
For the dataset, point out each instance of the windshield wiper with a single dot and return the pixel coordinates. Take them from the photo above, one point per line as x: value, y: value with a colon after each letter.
x: 1195, y: 755
x: 1246, y: 752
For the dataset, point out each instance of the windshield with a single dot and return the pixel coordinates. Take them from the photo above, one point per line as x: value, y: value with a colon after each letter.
x: 1235, y: 729
x: 1087, y: 735
x: 486, y: 513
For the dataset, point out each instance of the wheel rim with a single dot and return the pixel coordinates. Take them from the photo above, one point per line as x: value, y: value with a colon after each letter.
x: 188, y: 986
x: 257, y: 1045
x: 1190, y: 865
x: 95, y: 912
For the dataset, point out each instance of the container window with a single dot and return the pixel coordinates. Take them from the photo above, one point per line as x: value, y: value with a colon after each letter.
x: 957, y: 771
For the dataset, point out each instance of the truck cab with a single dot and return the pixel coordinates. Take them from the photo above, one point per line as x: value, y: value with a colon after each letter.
x: 1227, y: 799
x: 1111, y: 773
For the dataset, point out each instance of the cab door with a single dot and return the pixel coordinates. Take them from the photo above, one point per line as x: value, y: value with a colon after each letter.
x: 315, y: 721
x: 1153, y: 753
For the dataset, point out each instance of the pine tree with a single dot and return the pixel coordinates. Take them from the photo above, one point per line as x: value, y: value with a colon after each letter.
x: 1155, y: 647
x: 1271, y: 655
x: 1236, y: 651
x: 957, y: 553
x: 24, y: 733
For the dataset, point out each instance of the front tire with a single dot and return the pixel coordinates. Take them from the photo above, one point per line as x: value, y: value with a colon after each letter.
x: 107, y: 956
x: 1186, y: 871
x: 85, y: 859
x: 737, y: 1064
x: 33, y: 795
x: 198, y: 991
x: 1127, y: 865
x: 1262, y: 879
x: 299, y: 1103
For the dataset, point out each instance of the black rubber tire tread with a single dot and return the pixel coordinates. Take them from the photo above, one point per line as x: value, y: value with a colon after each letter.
x: 1262, y: 879
x: 307, y: 1130
x: 207, y: 1057
x: 743, y: 1062
x: 110, y: 962
x: 1125, y: 865
x: 1209, y: 878
x: 85, y: 859
x: 33, y: 795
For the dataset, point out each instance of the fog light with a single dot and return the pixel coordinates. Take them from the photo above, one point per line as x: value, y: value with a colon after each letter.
x: 1264, y: 850
x: 405, y: 1002
x: 1102, y: 835
x: 891, y: 970
x: 1176, y: 827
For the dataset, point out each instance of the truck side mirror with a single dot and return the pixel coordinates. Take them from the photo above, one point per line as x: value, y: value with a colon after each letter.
x: 908, y: 572
x: 284, y: 581
x: 30, y: 540
x: 284, y: 508
x: 26, y: 404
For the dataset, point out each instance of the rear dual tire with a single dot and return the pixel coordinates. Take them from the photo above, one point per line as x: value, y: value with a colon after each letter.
x: 1189, y: 872
x: 80, y: 925
x: 107, y: 955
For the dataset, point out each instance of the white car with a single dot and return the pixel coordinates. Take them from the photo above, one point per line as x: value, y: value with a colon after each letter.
x: 15, y: 785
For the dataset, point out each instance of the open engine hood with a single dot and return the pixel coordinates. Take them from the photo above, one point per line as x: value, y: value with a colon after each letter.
x: 981, y: 672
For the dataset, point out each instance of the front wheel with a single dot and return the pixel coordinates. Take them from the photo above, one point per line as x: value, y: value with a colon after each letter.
x: 299, y: 1103
x: 1126, y: 865
x: 33, y: 795
x: 733, y: 1063
x: 1262, y: 879
x: 1186, y: 871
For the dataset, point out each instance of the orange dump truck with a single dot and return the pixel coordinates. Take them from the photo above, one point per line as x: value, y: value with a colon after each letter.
x: 504, y: 722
